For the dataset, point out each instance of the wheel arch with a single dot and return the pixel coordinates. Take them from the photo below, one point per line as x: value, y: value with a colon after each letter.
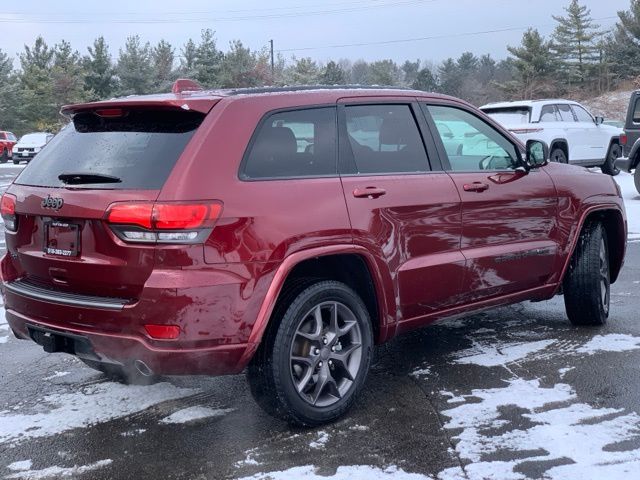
x: 613, y: 220
x: 561, y: 143
x: 353, y: 265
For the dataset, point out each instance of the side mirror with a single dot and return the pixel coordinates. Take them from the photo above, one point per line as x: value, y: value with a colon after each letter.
x: 537, y: 154
x: 599, y: 120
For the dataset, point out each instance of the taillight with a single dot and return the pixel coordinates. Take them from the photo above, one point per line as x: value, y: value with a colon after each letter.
x: 163, y: 332
x: 522, y: 131
x: 163, y: 222
x: 623, y: 139
x: 8, y: 210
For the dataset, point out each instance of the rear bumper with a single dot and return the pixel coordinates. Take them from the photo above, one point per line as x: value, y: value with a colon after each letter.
x: 126, y: 350
x: 624, y: 164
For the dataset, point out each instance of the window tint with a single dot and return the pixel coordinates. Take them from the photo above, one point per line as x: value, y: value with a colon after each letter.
x: 140, y: 147
x: 299, y: 143
x: 475, y: 144
x: 565, y: 113
x: 548, y: 114
x: 385, y: 139
x: 3, y: 136
x: 581, y: 114
x: 510, y: 115
x: 636, y: 112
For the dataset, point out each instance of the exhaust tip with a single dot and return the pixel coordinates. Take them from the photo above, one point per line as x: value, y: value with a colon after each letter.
x: 142, y: 368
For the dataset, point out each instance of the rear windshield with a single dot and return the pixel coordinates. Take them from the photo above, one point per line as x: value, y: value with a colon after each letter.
x: 509, y: 116
x: 140, y: 148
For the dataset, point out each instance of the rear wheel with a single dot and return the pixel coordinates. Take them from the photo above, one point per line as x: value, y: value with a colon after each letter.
x: 311, y: 367
x: 609, y: 165
x: 4, y: 156
x: 587, y: 286
x: 557, y: 155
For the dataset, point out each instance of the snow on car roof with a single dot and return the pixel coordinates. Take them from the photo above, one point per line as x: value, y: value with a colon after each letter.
x: 526, y: 103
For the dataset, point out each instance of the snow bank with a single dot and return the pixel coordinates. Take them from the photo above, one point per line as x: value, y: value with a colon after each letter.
x: 356, y: 472
x: 57, y: 472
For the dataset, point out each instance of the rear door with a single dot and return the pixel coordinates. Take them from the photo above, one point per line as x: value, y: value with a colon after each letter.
x: 62, y: 240
x: 509, y: 223
x: 595, y: 140
x: 400, y: 205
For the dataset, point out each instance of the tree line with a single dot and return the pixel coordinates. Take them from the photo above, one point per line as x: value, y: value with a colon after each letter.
x: 579, y: 58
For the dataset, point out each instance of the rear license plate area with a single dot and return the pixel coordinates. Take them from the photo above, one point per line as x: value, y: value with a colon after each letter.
x: 62, y: 239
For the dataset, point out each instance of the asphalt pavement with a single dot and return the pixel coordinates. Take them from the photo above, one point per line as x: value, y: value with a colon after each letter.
x: 511, y: 393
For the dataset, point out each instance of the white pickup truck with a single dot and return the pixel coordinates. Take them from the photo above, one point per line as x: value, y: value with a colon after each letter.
x: 574, y: 136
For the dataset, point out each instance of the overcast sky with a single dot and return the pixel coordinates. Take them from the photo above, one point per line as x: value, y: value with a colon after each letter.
x: 437, y: 28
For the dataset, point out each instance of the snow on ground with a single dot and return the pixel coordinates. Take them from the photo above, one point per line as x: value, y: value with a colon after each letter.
x: 494, y: 355
x: 631, y: 203
x: 356, y: 472
x: 191, y: 414
x: 53, y: 472
x: 613, y: 342
x: 321, y: 441
x: 4, y: 326
x: 573, y: 433
x: 88, y: 406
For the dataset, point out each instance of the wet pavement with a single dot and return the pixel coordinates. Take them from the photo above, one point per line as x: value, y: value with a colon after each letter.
x: 511, y: 393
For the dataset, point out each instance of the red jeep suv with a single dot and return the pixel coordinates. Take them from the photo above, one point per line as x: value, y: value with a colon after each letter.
x: 287, y: 231
x: 7, y: 141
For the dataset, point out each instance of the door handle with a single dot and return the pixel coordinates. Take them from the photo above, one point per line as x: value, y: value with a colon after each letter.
x: 475, y: 187
x: 369, y: 192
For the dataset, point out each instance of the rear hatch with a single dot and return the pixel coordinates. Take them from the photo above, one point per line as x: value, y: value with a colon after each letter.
x: 62, y: 240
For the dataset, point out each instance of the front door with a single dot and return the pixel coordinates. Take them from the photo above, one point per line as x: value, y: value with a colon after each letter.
x: 399, y: 208
x: 509, y: 224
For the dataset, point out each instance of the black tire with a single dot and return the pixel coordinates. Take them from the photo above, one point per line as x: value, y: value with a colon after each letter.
x: 4, y: 157
x: 120, y: 373
x: 16, y: 162
x: 271, y: 372
x: 587, y: 286
x: 609, y: 165
x: 636, y: 178
x: 557, y: 155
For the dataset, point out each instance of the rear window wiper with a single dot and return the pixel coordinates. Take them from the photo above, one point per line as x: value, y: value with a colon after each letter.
x: 81, y: 178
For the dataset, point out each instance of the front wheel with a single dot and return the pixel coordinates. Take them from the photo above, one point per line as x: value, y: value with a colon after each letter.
x: 557, y: 155
x: 311, y: 367
x: 609, y: 165
x: 16, y: 162
x: 587, y: 284
x: 4, y: 156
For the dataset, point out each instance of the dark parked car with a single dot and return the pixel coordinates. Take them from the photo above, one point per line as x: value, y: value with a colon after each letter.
x: 630, y: 140
x: 288, y: 231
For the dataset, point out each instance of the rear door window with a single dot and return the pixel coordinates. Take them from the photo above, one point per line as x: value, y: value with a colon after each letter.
x: 385, y: 139
x: 296, y: 143
x: 548, y: 114
x: 139, y: 147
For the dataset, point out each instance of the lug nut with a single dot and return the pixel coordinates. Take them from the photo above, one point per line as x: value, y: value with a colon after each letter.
x: 333, y: 349
x: 330, y: 364
x: 319, y: 364
x: 324, y: 340
x: 316, y: 351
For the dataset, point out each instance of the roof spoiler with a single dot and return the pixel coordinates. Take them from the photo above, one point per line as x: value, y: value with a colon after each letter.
x: 183, y: 85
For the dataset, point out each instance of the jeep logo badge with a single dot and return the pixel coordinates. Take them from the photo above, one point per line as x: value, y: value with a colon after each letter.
x: 52, y: 202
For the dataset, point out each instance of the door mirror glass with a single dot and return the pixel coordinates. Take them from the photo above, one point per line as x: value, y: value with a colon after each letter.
x: 599, y: 120
x: 537, y: 153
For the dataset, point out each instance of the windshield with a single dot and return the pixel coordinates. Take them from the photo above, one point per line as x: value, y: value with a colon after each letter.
x: 510, y: 116
x: 139, y: 147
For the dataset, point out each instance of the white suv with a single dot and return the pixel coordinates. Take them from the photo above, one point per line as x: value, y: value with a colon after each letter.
x: 572, y: 133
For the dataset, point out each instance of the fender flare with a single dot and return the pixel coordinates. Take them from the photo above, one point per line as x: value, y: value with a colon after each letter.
x: 283, y: 271
x: 560, y: 140
x: 634, y: 155
x: 574, y: 241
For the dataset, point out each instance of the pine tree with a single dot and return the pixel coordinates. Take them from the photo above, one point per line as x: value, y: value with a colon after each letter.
x: 467, y: 63
x: 450, y: 80
x: 208, y: 61
x: 100, y: 77
x: 623, y: 47
x: 535, y: 65
x: 333, y: 74
x: 188, y: 59
x: 383, y: 72
x: 410, y: 71
x: 425, y: 81
x: 240, y: 67
x: 68, y: 75
x: 574, y: 42
x: 304, y: 71
x: 359, y: 72
x: 8, y: 95
x: 162, y: 59
x: 134, y: 67
x: 37, y: 107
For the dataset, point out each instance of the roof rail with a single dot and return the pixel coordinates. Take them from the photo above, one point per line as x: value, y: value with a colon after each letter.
x: 183, y: 85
